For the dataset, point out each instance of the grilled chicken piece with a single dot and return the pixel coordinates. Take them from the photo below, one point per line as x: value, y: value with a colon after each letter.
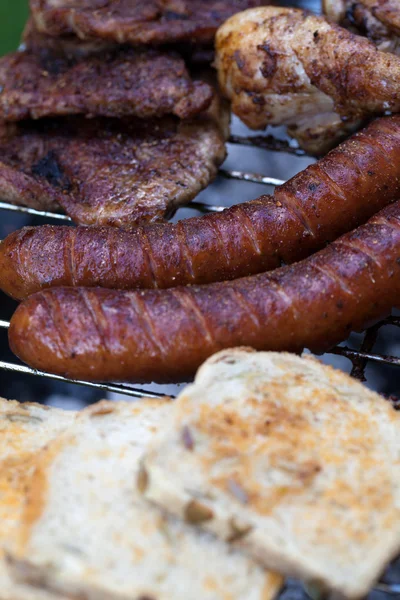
x: 143, y: 83
x: 283, y: 66
x: 379, y: 21
x: 334, y: 9
x: 109, y: 172
x: 320, y: 133
x: 137, y: 21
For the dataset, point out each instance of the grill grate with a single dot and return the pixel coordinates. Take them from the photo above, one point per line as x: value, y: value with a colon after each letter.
x: 360, y: 357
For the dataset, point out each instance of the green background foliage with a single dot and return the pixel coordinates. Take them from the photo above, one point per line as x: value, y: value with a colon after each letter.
x: 13, y: 14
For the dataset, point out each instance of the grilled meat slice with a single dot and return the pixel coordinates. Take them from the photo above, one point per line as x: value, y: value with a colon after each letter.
x: 143, y: 83
x: 71, y: 46
x: 137, y: 21
x: 106, y: 171
x: 379, y: 21
x: 284, y: 66
x: 67, y: 46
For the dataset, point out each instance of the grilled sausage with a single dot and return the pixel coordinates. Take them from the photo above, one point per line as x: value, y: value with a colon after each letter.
x: 164, y: 335
x: 327, y: 199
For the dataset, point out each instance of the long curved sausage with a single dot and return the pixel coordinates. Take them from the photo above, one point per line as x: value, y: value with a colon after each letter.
x: 165, y: 335
x: 333, y: 196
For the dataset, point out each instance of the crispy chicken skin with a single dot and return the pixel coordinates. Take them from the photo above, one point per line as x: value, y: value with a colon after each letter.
x: 318, y: 134
x: 379, y: 21
x: 137, y: 21
x: 334, y: 9
x: 107, y: 171
x: 119, y: 83
x: 283, y: 66
x: 387, y: 11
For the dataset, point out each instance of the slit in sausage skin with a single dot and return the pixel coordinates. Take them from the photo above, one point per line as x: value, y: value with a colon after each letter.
x: 165, y: 335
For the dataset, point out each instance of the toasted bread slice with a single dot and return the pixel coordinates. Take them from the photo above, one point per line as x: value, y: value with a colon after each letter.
x: 24, y: 430
x: 295, y: 460
x: 89, y: 533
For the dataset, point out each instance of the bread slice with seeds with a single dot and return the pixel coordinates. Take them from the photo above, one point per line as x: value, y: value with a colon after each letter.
x: 294, y: 461
x: 89, y: 533
x: 24, y: 430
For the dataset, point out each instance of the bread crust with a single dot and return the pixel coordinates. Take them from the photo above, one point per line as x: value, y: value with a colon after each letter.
x: 24, y: 429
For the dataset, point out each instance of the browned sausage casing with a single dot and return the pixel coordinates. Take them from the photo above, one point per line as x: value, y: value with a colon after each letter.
x: 164, y: 335
x: 324, y: 201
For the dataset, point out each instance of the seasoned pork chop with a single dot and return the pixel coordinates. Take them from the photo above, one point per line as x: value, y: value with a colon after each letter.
x: 109, y: 172
x: 283, y: 66
x: 137, y: 21
x: 122, y: 83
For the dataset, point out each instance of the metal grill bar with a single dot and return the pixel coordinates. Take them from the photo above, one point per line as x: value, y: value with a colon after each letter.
x: 33, y: 211
x: 118, y: 389
x: 204, y: 207
x: 360, y: 364
x: 266, y: 142
x: 360, y: 357
x: 387, y: 588
x: 354, y: 355
x: 251, y: 177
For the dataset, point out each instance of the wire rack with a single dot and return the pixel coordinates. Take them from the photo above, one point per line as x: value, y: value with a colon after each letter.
x: 361, y: 351
x: 359, y: 357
